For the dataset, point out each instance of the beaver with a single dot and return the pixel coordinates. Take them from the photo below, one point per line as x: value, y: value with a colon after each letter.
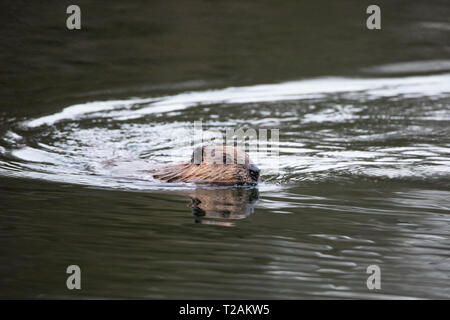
x: 220, y: 165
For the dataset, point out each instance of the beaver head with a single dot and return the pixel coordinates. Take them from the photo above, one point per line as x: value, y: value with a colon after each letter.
x: 222, y: 165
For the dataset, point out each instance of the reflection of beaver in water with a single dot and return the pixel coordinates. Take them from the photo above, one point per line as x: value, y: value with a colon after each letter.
x: 222, y: 206
x: 216, y: 165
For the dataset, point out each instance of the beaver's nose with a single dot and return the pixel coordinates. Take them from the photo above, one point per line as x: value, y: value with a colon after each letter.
x: 254, y: 172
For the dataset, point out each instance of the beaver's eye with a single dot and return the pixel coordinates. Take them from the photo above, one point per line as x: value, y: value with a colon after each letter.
x: 253, y: 172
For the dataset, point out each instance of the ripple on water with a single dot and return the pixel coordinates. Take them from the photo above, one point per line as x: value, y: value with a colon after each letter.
x: 330, y: 128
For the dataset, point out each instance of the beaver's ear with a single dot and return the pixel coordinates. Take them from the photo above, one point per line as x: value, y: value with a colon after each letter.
x: 197, y: 155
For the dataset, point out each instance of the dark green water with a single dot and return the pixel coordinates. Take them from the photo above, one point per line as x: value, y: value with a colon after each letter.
x: 364, y: 149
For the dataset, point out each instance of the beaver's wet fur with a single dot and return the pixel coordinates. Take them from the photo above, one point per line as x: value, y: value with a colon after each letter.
x: 223, y: 165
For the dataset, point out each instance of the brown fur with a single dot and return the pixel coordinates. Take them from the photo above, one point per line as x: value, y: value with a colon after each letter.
x: 216, y: 165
